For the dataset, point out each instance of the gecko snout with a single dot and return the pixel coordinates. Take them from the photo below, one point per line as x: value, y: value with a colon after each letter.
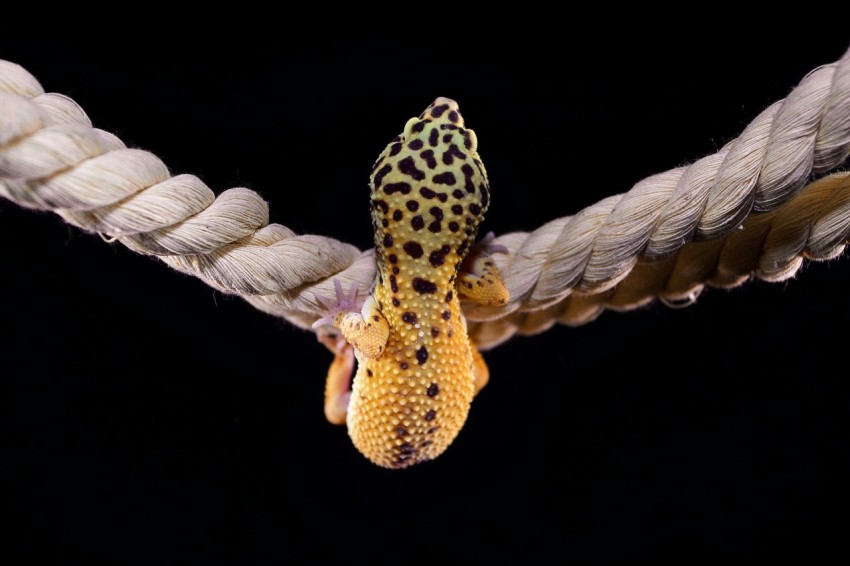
x: 444, y: 109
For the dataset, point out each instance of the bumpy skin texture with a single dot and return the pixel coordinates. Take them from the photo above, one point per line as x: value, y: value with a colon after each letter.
x: 429, y: 194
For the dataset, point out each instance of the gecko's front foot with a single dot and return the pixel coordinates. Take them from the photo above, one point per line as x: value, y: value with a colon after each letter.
x: 479, y: 278
x: 343, y: 304
x: 367, y: 329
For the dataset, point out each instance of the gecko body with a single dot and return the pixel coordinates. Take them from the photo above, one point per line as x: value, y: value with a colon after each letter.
x: 417, y: 370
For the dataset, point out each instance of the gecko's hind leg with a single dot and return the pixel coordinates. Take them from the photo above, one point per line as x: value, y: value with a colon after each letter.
x: 480, y: 372
x: 338, y: 382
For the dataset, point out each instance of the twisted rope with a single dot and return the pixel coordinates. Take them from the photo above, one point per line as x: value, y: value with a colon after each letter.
x: 619, y: 253
x: 814, y: 224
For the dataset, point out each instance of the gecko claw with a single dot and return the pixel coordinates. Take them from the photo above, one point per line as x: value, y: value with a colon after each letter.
x: 485, y: 245
x: 342, y: 303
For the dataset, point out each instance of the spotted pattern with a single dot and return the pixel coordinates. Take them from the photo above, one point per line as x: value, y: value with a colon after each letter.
x: 428, y: 190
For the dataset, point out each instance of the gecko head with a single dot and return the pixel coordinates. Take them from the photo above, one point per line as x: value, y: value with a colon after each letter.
x: 439, y: 124
x: 429, y: 184
x: 434, y: 143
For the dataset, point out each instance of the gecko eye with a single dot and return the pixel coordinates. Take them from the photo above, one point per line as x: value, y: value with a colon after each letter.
x: 408, y: 127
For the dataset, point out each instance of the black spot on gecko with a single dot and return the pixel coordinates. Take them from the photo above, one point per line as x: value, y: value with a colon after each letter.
x: 426, y: 444
x: 409, y: 317
x: 457, y: 209
x: 423, y: 286
x: 433, y: 137
x: 417, y: 223
x: 401, y: 431
x: 393, y: 258
x: 447, y: 138
x: 376, y: 318
x: 404, y: 365
x: 384, y: 222
x: 412, y: 205
x: 447, y: 178
x: 470, y: 220
x: 413, y: 249
x: 448, y: 127
x: 449, y: 297
x: 437, y: 258
x: 435, y: 227
x: 485, y: 195
x: 442, y: 197
x: 403, y: 188
x: 474, y: 208
x: 438, y: 110
x: 427, y: 193
x: 428, y: 156
x: 395, y: 270
x: 432, y: 430
x: 408, y: 167
x: 394, y: 149
x: 437, y: 212
x: 457, y: 193
x: 415, y: 144
x: 406, y: 448
x: 468, y: 231
x: 422, y: 355
x: 395, y: 302
x: 419, y: 126
x: 446, y: 315
x: 397, y: 215
x: 454, y: 116
x: 467, y: 141
x: 468, y: 174
x: 369, y: 373
x: 455, y: 150
x: 383, y: 172
x: 378, y: 203
x: 388, y: 241
x: 393, y: 284
x: 435, y: 332
x: 433, y: 390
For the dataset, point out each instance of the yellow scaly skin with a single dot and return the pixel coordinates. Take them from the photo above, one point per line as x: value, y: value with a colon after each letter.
x: 417, y: 370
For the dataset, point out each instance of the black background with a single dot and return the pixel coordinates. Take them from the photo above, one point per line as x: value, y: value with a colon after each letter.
x: 145, y: 417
